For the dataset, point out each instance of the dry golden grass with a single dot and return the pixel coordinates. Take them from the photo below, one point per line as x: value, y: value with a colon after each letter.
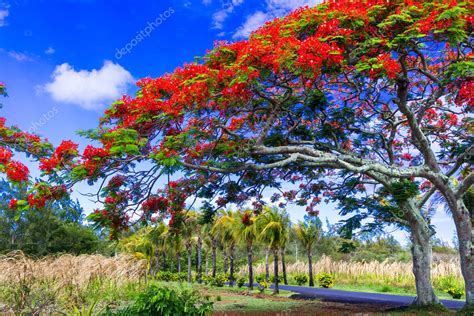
x: 397, y: 274
x: 58, y: 283
x: 78, y: 270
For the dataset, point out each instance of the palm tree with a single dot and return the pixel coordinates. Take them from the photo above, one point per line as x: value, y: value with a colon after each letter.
x: 158, y: 237
x: 176, y: 241
x: 224, y: 228
x: 246, y: 231
x: 286, y: 226
x: 308, y: 234
x: 188, y: 231
x: 211, y: 241
x: 139, y: 245
x: 271, y: 225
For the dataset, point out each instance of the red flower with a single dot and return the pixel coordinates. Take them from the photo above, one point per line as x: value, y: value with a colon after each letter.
x: 154, y: 204
x: 116, y: 181
x: 13, y: 204
x: 17, y: 172
x: 66, y: 148
x: 392, y: 67
x: 407, y: 156
x: 36, y: 201
x: 110, y: 200
x: 48, y: 165
x: 91, y: 152
x: 5, y: 155
x: 246, y: 219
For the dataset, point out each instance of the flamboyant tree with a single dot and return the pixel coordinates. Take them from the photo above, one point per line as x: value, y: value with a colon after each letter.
x: 15, y: 141
x: 382, y: 89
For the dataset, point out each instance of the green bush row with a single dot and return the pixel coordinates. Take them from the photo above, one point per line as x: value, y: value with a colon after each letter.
x: 166, y: 300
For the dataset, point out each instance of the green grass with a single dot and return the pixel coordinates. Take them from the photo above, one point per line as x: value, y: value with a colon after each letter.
x: 234, y: 299
x: 253, y: 304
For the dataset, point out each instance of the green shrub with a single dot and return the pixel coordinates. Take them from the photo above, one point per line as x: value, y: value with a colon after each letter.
x: 326, y: 280
x: 455, y: 293
x: 386, y: 289
x: 240, y: 282
x: 218, y: 280
x: 301, y: 278
x: 161, y: 299
x: 260, y: 278
x: 168, y: 276
x: 262, y: 286
x: 280, y: 279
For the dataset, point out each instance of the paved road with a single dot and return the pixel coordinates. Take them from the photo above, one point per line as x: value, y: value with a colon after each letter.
x: 361, y: 297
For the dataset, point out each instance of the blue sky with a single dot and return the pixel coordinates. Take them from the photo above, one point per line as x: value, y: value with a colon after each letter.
x: 64, y: 61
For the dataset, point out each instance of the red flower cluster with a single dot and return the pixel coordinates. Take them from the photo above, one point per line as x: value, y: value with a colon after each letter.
x: 116, y: 182
x: 17, y: 172
x: 313, y: 54
x: 48, y: 165
x: 466, y: 95
x: 37, y: 201
x: 91, y: 152
x: 246, y: 219
x: 391, y: 66
x: 13, y: 204
x: 155, y: 204
x: 65, y: 149
x: 5, y: 155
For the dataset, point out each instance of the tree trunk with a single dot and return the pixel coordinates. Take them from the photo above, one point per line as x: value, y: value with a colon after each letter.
x: 157, y: 262
x: 164, y: 260
x: 465, y: 232
x: 421, y: 251
x: 283, y: 266
x: 267, y: 265
x: 276, y: 289
x: 190, y: 254
x: 250, y: 264
x: 199, y: 259
x: 226, y: 261
x: 231, y: 261
x: 422, y: 256
x: 310, y: 268
x: 214, y: 260
x: 207, y: 261
x: 178, y: 258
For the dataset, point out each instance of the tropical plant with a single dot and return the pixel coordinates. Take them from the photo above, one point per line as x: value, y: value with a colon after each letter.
x: 301, y: 279
x: 166, y: 300
x: 272, y: 227
x: 326, y: 280
x: 308, y: 233
x: 224, y: 228
x: 246, y: 232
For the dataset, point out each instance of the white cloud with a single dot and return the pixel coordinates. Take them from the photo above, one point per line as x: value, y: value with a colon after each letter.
x: 252, y: 23
x: 92, y: 89
x: 19, y: 56
x: 274, y: 8
x: 219, y: 17
x: 3, y: 15
x: 49, y: 51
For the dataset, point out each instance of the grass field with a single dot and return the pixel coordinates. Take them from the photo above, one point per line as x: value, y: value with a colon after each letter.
x: 60, y: 284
